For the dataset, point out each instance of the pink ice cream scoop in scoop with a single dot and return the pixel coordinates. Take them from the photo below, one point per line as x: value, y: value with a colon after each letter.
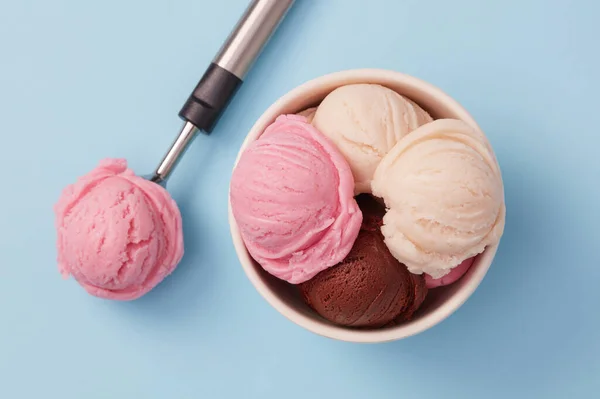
x: 119, y: 235
x: 292, y: 198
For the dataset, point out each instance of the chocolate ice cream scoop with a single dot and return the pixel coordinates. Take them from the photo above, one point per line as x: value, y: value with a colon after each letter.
x: 420, y: 287
x: 369, y: 288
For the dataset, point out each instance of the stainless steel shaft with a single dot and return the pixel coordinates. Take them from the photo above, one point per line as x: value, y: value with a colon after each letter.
x: 223, y: 77
x: 247, y: 39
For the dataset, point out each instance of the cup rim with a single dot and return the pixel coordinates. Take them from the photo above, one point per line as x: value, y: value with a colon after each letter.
x: 341, y: 333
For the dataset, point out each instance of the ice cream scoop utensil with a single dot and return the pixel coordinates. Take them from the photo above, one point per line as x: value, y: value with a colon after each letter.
x: 223, y: 77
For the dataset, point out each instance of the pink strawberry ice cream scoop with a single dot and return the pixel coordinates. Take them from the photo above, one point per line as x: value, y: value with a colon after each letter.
x: 119, y: 235
x: 455, y: 274
x: 292, y: 197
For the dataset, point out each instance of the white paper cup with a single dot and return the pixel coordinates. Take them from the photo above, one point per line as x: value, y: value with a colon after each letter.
x: 440, y: 302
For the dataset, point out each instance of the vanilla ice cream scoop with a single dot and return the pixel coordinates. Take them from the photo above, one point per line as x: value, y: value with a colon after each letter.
x: 365, y: 121
x: 443, y: 189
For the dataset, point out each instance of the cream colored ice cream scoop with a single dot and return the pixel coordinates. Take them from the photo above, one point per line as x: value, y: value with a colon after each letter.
x: 365, y: 121
x: 443, y: 189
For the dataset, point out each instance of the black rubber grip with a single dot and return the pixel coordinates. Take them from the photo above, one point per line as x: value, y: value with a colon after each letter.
x: 210, y: 98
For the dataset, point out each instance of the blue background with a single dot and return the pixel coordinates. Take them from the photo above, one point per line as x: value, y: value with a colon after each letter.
x: 83, y: 80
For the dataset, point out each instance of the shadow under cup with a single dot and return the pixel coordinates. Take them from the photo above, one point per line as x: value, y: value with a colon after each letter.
x: 440, y: 302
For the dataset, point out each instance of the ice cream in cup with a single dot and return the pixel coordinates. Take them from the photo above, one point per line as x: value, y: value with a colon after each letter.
x: 366, y: 205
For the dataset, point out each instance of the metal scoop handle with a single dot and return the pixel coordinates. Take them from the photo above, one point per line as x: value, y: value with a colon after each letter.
x: 224, y: 76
